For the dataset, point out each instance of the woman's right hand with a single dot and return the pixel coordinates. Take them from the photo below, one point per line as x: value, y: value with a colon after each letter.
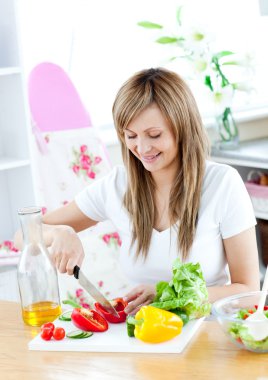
x: 66, y: 249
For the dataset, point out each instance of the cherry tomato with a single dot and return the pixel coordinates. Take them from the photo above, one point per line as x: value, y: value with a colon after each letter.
x: 59, y: 333
x: 46, y: 333
x: 48, y: 325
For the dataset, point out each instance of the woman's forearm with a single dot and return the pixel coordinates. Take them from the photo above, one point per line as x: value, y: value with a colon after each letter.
x: 66, y: 249
x: 49, y: 232
x: 217, y: 292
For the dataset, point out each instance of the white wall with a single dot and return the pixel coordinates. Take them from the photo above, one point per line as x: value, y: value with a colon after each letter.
x: 248, y: 130
x: 100, y: 45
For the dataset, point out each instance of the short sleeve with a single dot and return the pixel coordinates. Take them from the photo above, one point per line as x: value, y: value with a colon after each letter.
x: 94, y: 201
x: 237, y: 212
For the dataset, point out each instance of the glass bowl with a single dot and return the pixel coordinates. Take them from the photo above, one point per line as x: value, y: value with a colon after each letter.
x: 229, y: 312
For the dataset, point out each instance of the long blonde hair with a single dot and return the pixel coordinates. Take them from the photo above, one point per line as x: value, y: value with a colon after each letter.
x: 171, y: 94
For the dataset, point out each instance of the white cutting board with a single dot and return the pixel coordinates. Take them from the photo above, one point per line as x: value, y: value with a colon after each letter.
x: 115, y: 339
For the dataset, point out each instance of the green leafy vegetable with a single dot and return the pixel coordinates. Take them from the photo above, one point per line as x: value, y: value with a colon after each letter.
x: 186, y: 294
x: 239, y: 332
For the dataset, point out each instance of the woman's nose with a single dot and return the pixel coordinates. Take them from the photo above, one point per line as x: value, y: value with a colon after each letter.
x: 143, y: 146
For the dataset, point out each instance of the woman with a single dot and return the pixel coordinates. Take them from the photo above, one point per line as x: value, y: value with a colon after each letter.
x: 167, y: 201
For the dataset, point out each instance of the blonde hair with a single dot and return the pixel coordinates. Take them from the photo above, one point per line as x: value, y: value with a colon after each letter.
x: 171, y: 94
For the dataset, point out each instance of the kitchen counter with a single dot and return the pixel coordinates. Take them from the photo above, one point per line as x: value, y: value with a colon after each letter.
x: 253, y: 153
x: 208, y: 356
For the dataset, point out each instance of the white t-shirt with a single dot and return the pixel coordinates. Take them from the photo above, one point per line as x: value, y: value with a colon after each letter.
x: 225, y: 211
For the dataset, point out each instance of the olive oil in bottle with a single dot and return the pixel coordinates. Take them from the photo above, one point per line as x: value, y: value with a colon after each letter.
x: 37, y: 276
x: 40, y: 312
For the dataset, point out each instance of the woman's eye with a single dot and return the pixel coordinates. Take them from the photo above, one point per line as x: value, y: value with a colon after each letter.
x: 131, y: 137
x: 155, y: 137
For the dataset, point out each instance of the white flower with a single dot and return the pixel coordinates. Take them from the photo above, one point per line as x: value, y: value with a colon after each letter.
x: 246, y: 86
x: 222, y: 98
x: 196, y: 40
x: 200, y: 65
x: 246, y: 60
x: 197, y: 36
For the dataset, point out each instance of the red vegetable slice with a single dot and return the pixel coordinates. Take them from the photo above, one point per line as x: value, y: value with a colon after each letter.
x: 88, y: 320
x: 119, y: 304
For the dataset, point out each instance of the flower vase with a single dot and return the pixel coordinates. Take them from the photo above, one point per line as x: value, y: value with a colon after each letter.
x: 227, y: 130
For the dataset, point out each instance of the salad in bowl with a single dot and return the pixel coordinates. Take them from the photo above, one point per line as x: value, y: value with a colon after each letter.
x: 232, y: 314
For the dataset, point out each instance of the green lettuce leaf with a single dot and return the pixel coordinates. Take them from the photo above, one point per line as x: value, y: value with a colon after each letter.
x: 186, y: 294
x: 240, y: 333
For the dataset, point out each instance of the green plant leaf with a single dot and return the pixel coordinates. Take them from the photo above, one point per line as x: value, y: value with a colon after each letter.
x: 150, y: 25
x: 167, y: 40
x: 226, y: 113
x: 208, y: 82
x: 224, y: 81
x: 230, y: 63
x: 178, y: 15
x: 223, y: 53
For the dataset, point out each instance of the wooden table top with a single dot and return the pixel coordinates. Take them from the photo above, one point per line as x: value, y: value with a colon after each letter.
x: 209, y: 355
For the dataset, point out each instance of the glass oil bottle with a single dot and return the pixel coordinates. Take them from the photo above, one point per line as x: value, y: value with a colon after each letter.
x: 37, y: 276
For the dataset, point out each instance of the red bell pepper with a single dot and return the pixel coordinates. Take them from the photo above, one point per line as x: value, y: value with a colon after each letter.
x: 119, y: 304
x: 88, y: 320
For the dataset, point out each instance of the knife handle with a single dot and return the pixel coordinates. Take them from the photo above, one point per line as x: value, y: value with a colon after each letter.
x: 76, y: 271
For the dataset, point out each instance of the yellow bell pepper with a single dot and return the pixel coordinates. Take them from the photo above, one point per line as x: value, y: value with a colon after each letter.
x: 153, y: 325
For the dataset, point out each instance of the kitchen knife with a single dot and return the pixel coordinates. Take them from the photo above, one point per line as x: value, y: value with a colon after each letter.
x: 93, y: 291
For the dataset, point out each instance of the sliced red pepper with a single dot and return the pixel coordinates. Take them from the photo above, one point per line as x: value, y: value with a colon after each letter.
x: 88, y: 320
x: 119, y: 304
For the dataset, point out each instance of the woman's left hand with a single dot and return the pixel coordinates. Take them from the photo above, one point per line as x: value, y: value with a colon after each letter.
x: 138, y: 297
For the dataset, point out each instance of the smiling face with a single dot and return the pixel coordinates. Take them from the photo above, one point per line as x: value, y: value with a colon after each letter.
x: 150, y: 138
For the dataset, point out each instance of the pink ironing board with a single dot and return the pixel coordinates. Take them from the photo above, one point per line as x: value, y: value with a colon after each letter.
x: 54, y: 102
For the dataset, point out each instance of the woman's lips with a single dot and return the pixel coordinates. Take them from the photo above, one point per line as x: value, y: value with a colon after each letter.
x: 150, y: 159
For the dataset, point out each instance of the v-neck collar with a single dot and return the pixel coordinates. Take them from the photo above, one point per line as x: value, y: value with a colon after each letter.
x: 173, y: 226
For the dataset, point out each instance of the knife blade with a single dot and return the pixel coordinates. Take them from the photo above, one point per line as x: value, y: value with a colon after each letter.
x: 93, y: 291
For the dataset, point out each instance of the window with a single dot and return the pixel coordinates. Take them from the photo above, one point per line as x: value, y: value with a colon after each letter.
x: 100, y: 45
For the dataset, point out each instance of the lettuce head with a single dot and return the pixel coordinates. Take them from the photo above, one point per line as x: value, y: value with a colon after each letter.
x: 186, y: 294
